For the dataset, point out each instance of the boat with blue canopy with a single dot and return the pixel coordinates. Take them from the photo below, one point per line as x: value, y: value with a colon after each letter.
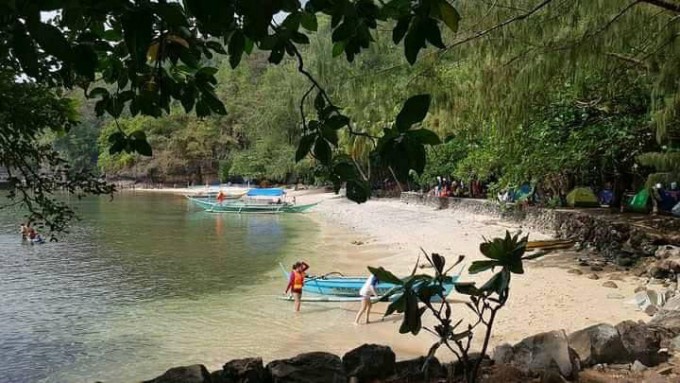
x: 264, y: 201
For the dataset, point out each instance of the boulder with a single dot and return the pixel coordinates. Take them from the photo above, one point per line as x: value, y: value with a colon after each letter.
x: 412, y: 370
x: 196, y: 373
x: 641, y: 341
x: 668, y: 319
x: 648, y: 298
x: 674, y: 345
x: 369, y: 362
x: 667, y: 251
x: 610, y: 284
x: 248, y: 370
x: 542, y: 352
x: 600, y: 343
x: 311, y: 367
x: 673, y: 303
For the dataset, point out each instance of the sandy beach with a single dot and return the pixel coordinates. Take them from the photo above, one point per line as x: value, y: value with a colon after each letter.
x: 391, y: 233
x: 545, y: 298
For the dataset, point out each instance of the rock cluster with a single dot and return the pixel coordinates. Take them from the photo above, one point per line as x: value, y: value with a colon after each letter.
x: 367, y: 363
x: 553, y: 356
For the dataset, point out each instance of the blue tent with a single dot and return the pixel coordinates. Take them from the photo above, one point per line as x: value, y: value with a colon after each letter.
x: 266, y: 192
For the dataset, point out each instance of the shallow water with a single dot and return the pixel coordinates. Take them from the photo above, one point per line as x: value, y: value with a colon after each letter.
x: 146, y: 282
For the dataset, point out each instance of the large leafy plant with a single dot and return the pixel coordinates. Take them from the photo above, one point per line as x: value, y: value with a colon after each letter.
x: 420, y: 293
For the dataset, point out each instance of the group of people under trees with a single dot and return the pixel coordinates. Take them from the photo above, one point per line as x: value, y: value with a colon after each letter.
x: 553, y: 191
x: 296, y: 282
x: 448, y: 187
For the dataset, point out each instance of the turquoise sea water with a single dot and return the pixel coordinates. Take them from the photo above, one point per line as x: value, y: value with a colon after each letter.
x: 143, y: 283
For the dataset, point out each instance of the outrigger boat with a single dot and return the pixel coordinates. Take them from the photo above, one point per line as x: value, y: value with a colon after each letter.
x: 203, y: 199
x: 334, y: 287
x: 269, y: 201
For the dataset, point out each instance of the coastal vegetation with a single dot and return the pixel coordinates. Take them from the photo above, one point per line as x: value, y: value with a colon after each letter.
x: 420, y: 294
x: 554, y: 93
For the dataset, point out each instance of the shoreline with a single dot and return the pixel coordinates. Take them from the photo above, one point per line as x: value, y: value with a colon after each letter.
x: 391, y: 233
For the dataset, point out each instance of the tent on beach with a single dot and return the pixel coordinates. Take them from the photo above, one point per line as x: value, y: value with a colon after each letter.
x: 582, y: 197
x: 640, y: 201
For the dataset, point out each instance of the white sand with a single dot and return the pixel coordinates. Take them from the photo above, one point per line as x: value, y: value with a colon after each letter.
x: 545, y: 298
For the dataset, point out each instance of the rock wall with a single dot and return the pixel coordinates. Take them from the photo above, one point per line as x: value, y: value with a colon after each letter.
x: 616, y: 236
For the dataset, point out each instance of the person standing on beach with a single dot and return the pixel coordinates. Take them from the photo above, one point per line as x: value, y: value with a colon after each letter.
x: 367, y: 291
x: 296, y: 281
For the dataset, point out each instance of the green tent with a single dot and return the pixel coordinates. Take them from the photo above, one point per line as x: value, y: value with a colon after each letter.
x: 640, y: 201
x: 582, y: 197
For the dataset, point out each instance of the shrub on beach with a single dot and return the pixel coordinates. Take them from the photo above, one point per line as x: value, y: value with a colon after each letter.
x: 418, y: 294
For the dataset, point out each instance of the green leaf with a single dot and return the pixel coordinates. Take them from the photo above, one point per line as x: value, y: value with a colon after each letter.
x: 299, y: 38
x: 345, y: 171
x: 85, y: 61
x: 424, y: 136
x: 25, y: 51
x: 319, y: 102
x: 212, y: 101
x: 322, y: 151
x: 400, y: 29
x: 237, y: 43
x: 248, y: 47
x: 304, y: 147
x: 216, y: 46
x: 343, y: 32
x: 358, y: 190
x: 206, y: 71
x: 309, y: 22
x: 498, y: 283
x: 172, y: 13
x: 142, y: 147
x: 330, y: 134
x: 479, y: 266
x: 438, y: 262
x: 138, y: 33
x: 414, y: 42
x: 338, y: 48
x: 385, y: 275
x: 398, y: 305
x: 337, y: 121
x: 538, y: 254
x: 202, y: 108
x: 468, y: 288
x: 51, y: 40
x: 432, y: 33
x: 449, y: 15
x: 115, y: 137
x: 414, y: 111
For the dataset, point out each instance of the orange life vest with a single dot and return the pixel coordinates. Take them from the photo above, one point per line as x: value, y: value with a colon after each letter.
x: 298, y: 280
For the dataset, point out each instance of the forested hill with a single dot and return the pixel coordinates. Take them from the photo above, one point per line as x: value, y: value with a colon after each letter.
x: 570, y: 96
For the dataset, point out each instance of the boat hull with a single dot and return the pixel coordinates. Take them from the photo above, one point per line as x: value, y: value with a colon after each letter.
x: 249, y: 208
x: 350, y: 286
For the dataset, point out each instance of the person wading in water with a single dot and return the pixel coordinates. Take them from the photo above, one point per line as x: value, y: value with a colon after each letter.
x: 296, y: 281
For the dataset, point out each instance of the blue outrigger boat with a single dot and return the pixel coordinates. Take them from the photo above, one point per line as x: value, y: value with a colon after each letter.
x: 329, y: 288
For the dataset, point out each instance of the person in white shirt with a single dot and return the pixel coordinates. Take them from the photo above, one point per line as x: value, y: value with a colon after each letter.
x: 366, y: 292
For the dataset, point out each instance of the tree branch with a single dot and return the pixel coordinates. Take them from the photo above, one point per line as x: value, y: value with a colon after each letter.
x: 673, y: 7
x: 628, y: 59
x: 501, y: 25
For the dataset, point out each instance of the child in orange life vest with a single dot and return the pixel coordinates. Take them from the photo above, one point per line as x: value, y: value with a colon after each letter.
x: 296, y: 281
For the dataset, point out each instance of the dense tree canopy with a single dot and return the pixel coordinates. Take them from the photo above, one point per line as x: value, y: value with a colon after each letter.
x: 508, y: 82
